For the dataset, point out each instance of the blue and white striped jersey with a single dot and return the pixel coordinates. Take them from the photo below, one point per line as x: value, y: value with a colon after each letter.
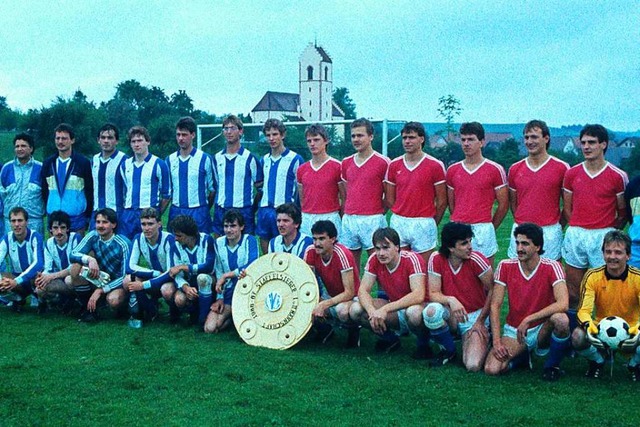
x: 235, y: 176
x: 157, y: 257
x: 146, y: 183
x: 57, y: 258
x: 26, y: 258
x: 200, y: 259
x: 280, y: 184
x: 297, y: 247
x: 107, y: 181
x: 237, y: 258
x: 191, y: 178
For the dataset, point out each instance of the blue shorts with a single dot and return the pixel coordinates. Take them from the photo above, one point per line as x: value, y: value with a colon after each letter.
x: 200, y: 215
x: 78, y: 222
x: 228, y: 294
x: 247, y: 214
x: 129, y: 224
x: 266, y: 225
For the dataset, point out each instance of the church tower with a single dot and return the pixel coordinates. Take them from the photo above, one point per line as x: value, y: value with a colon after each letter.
x: 316, y: 84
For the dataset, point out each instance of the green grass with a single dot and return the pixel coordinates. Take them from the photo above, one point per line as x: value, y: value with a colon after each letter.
x: 57, y: 371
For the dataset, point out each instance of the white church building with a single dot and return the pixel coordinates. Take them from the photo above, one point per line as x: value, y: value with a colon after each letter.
x: 314, y: 101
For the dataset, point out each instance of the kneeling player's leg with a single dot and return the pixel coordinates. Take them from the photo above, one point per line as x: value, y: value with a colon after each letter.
x: 418, y: 328
x: 436, y: 319
x: 116, y: 298
x: 205, y: 296
x: 583, y: 347
x: 218, y: 321
x: 510, y: 353
x: 559, y: 340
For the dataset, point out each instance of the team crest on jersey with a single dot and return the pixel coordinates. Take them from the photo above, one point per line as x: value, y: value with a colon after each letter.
x: 273, y: 301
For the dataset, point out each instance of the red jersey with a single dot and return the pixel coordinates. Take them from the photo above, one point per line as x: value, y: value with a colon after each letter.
x: 594, y: 196
x: 320, y: 186
x: 463, y: 283
x: 415, y: 186
x: 528, y: 294
x: 538, y: 191
x: 395, y: 283
x: 331, y: 272
x: 365, y: 186
x: 475, y: 191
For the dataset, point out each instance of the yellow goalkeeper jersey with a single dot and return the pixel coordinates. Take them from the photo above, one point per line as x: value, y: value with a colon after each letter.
x: 610, y: 296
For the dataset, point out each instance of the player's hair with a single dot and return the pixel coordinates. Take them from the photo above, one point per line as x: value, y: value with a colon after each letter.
x: 186, y: 225
x: 139, y: 131
x: 292, y: 210
x: 365, y: 123
x: 451, y: 234
x: 472, y: 128
x: 109, y: 214
x: 382, y: 235
x: 187, y: 123
x: 597, y: 131
x: 532, y: 124
x: 325, y: 226
x: 317, y: 129
x: 416, y: 127
x: 61, y: 217
x: 150, y: 213
x: 233, y: 215
x: 23, y: 136
x: 65, y: 127
x: 274, y: 124
x: 233, y: 120
x: 617, y: 236
x: 107, y: 127
x: 533, y: 232
x: 19, y: 210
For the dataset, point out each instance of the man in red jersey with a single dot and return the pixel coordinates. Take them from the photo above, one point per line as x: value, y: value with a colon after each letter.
x: 593, y: 205
x: 363, y: 175
x: 321, y: 195
x: 402, y: 279
x: 460, y: 287
x: 416, y: 192
x: 535, y: 189
x: 538, y: 299
x: 339, y: 278
x: 473, y: 185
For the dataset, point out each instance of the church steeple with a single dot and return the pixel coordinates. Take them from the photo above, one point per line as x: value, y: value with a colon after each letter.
x: 316, y: 83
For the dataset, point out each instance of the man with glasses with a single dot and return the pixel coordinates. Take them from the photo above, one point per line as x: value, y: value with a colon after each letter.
x: 236, y: 172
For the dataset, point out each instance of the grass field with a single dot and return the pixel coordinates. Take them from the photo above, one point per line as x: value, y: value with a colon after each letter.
x: 57, y: 371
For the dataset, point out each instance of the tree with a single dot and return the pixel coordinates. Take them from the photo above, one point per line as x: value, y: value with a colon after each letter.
x: 632, y: 163
x: 449, y: 108
x: 182, y: 103
x: 343, y: 100
x: 507, y: 154
x: 8, y: 117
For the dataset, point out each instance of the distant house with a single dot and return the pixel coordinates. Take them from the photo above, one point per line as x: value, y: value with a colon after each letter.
x: 314, y: 102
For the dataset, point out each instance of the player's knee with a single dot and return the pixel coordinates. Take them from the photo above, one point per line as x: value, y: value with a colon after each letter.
x: 560, y: 323
x: 493, y: 366
x: 168, y: 290
x: 473, y: 365
x: 435, y: 316
x: 115, y: 298
x: 414, y: 316
x: 342, y: 312
x: 356, y: 311
x: 180, y: 299
x: 204, y: 283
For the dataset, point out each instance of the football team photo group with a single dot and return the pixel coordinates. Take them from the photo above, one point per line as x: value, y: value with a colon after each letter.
x: 403, y: 249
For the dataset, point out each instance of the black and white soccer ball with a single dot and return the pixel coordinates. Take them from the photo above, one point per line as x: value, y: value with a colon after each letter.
x: 612, y: 331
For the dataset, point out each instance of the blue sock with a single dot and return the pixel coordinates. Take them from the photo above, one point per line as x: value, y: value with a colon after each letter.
x: 146, y: 304
x: 134, y: 307
x: 204, y: 303
x: 573, y: 319
x: 443, y: 337
x: 557, y: 350
x: 522, y: 359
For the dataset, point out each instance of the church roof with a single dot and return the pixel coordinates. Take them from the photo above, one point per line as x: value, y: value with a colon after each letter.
x: 325, y: 56
x: 278, y: 101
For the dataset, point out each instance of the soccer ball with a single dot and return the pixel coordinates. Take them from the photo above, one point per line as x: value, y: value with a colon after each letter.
x: 612, y: 331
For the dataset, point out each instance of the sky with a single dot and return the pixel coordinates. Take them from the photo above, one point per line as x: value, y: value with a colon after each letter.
x: 566, y: 62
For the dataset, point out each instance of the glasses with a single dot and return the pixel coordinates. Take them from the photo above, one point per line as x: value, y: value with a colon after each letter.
x: 229, y: 129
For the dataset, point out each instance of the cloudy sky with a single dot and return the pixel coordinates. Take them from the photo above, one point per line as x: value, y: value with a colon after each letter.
x: 567, y: 62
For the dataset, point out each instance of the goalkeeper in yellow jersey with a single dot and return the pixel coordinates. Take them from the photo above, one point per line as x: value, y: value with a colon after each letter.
x: 610, y: 290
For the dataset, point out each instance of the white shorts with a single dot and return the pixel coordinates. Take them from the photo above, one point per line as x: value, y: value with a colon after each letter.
x: 420, y: 234
x: 552, y: 235
x: 484, y: 238
x: 582, y: 248
x: 357, y: 230
x: 531, y: 340
x: 309, y: 219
